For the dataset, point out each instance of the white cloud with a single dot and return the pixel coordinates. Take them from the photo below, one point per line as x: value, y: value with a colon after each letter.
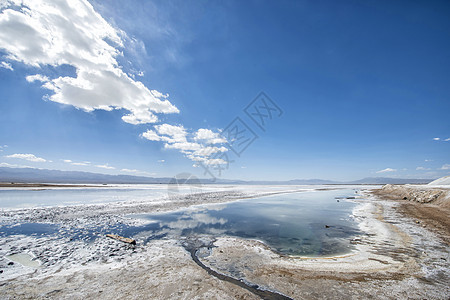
x: 80, y: 163
x: 197, y: 148
x: 137, y: 172
x: 207, y: 151
x: 13, y: 165
x: 151, y: 135
x: 387, y: 170
x: 445, y: 167
x: 106, y: 166
x: 6, y: 65
x: 37, y: 77
x: 174, y: 133
x: 85, y: 163
x: 428, y: 160
x: 422, y: 169
x: 39, y: 33
x: 209, y: 136
x: 29, y: 157
x: 439, y: 139
x: 215, y: 161
x: 184, y: 146
x: 130, y: 171
x: 161, y: 161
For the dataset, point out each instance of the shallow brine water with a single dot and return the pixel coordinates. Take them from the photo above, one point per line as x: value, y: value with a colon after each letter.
x: 305, y: 223
x: 25, y: 198
x: 309, y: 223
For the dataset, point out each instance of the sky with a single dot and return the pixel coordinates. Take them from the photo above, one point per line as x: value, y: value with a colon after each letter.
x: 252, y: 90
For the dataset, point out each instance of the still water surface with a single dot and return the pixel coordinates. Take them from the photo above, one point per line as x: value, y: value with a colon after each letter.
x: 309, y: 223
x: 306, y: 223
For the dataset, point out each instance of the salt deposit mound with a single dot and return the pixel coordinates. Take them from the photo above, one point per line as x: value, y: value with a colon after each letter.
x: 441, y: 181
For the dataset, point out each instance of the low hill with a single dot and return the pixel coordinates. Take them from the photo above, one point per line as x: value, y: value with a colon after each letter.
x: 441, y: 181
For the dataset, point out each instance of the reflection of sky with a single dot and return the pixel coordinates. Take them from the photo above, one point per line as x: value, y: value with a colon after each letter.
x: 194, y: 220
x: 292, y: 223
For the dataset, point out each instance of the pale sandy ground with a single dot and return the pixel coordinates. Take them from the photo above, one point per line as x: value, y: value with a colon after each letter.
x: 395, y: 258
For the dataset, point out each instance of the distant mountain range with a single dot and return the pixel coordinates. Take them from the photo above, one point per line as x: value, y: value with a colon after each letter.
x: 30, y: 175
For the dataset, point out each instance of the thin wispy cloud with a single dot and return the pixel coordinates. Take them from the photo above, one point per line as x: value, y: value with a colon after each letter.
x: 80, y: 163
x: 84, y: 163
x: 6, y: 65
x: 29, y: 157
x: 105, y: 166
x: 137, y: 172
x: 387, y: 170
x: 7, y: 165
x: 445, y: 167
x: 441, y: 139
x: 422, y: 169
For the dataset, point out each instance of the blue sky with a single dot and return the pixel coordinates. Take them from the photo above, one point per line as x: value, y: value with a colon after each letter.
x: 150, y: 88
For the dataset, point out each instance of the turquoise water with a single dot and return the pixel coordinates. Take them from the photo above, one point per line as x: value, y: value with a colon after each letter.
x: 309, y: 223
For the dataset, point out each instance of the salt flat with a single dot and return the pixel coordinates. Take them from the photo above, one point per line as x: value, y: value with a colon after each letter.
x: 395, y: 257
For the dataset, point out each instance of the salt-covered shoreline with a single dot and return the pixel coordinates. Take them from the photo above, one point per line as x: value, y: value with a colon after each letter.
x: 394, y: 258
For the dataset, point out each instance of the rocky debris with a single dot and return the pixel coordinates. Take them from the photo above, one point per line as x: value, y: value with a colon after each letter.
x: 424, y: 195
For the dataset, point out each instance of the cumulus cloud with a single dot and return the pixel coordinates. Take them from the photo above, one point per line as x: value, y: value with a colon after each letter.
x: 387, y: 170
x: 38, y: 33
x: 6, y: 65
x: 37, y: 77
x: 209, y: 136
x: 42, y: 33
x: 198, y: 147
x: 445, y: 167
x: 29, y: 157
x: 436, y: 139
